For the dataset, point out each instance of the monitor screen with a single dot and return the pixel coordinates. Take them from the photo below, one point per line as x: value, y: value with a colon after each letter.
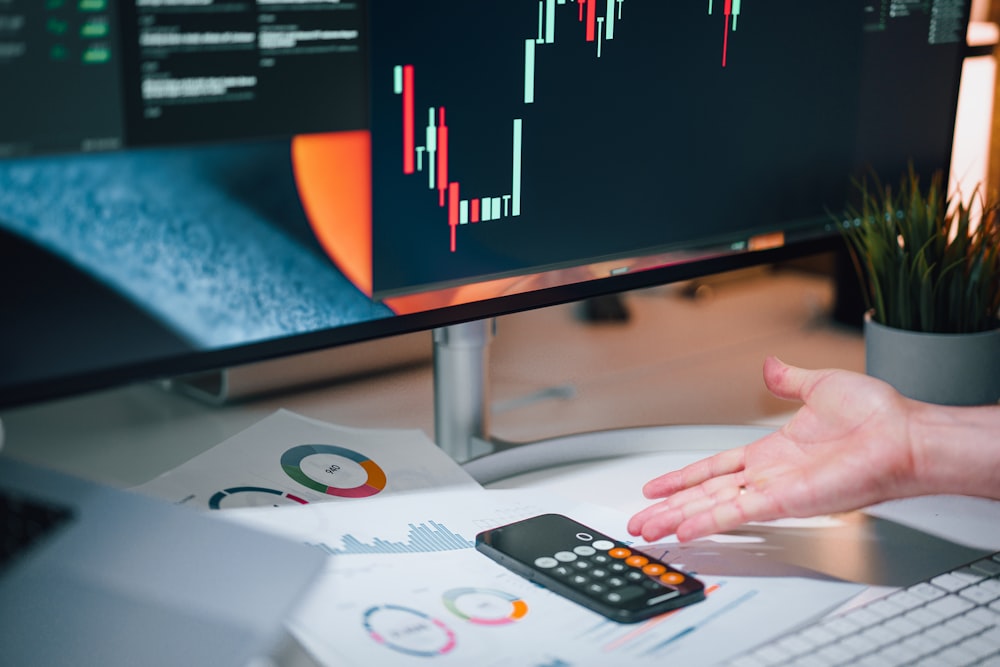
x: 191, y: 184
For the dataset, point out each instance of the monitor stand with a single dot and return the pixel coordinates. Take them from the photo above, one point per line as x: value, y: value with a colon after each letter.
x: 462, y: 389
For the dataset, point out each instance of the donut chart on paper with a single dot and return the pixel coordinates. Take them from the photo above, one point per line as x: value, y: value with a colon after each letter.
x: 485, y: 606
x: 253, y: 496
x: 293, y: 460
x: 408, y: 631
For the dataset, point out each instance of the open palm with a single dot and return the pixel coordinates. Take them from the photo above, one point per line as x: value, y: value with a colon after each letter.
x: 847, y: 447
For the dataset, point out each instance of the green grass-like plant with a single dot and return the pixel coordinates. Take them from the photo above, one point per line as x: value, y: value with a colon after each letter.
x: 926, y: 262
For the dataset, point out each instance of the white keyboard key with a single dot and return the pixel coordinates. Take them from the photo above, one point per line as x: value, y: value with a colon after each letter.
x: 903, y: 653
x: 903, y: 626
x: 920, y: 644
x: 943, y: 635
x: 925, y: 617
x: 859, y: 644
x: 876, y: 661
x: 984, y: 616
x: 835, y: 653
x: 954, y: 656
x: 881, y: 635
x: 748, y: 661
x: 841, y: 626
x: 771, y: 655
x: 980, y: 594
x: 906, y: 600
x: 865, y: 616
x: 949, y: 606
x: 993, y: 636
x: 991, y: 584
x: 795, y: 645
x: 969, y: 575
x: 817, y: 635
x: 963, y: 626
x: 979, y: 647
x: 950, y: 582
x: 926, y: 591
x: 884, y: 608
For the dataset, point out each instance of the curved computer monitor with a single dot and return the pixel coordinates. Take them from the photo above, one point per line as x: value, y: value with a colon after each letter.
x: 188, y: 185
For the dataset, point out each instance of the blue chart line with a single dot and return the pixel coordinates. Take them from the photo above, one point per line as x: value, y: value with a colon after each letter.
x: 422, y: 538
x: 732, y: 604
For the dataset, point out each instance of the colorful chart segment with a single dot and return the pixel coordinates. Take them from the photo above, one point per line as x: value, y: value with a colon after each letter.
x: 291, y: 463
x: 432, y: 155
x: 408, y: 631
x: 243, y: 493
x: 485, y: 606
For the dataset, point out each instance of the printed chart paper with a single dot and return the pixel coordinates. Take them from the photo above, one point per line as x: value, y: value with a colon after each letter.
x: 405, y: 585
x: 289, y: 460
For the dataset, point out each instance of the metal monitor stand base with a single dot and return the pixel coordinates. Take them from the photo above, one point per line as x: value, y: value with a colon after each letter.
x: 462, y: 389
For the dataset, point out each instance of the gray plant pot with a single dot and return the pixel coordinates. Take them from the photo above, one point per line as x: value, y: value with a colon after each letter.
x: 949, y: 369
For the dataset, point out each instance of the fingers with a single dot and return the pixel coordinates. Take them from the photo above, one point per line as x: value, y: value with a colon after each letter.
x: 665, y: 516
x: 750, y: 506
x: 704, y: 515
x: 724, y: 463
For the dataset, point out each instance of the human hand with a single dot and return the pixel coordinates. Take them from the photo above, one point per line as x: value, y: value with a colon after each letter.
x: 847, y: 447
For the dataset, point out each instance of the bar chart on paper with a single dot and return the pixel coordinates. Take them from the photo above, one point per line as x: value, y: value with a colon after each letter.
x: 494, y: 128
x: 424, y: 537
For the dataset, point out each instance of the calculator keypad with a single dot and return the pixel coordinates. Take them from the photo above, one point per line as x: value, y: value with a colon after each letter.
x: 613, y: 574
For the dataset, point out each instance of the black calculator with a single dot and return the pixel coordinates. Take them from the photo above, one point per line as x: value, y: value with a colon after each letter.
x: 592, y: 569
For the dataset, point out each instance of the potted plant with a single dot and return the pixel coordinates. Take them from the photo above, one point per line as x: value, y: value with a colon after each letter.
x: 929, y: 266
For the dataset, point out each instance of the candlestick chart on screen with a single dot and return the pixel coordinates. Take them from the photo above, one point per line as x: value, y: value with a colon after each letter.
x: 548, y: 134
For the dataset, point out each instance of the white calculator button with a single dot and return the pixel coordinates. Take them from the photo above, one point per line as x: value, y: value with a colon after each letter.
x: 546, y: 562
x: 603, y: 545
x: 585, y: 551
x: 566, y: 556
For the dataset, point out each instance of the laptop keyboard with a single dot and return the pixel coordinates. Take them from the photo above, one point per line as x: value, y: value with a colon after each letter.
x: 25, y: 521
x: 950, y: 619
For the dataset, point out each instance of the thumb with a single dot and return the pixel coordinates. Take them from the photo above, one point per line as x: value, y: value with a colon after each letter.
x: 784, y: 381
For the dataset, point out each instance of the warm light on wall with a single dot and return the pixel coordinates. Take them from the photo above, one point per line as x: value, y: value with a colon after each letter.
x: 974, y: 117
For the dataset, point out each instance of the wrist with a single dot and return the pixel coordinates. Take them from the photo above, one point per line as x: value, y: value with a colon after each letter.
x: 956, y: 450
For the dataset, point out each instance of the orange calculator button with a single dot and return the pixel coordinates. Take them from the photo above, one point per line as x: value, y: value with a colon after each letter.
x: 654, y: 569
x: 619, y: 552
x: 636, y: 561
x: 672, y: 578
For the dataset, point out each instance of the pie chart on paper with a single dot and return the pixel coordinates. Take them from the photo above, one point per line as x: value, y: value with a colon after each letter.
x: 333, y: 470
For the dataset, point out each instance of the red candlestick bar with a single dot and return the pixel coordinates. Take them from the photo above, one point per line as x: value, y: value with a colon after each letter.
x: 581, y: 3
x: 474, y: 210
x: 453, y: 211
x: 442, y: 157
x: 592, y: 18
x: 725, y: 32
x: 409, y: 145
